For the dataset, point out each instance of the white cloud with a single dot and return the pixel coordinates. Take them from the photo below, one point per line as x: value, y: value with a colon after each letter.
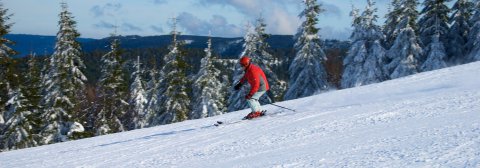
x: 218, y: 25
x: 109, y: 9
x: 157, y: 29
x: 104, y: 24
x: 332, y: 10
x: 128, y: 27
x: 278, y: 18
x: 282, y: 22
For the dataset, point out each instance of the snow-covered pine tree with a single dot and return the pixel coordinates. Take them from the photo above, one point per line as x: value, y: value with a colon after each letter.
x: 307, y: 72
x: 436, y: 55
x: 266, y: 60
x: 112, y: 92
x: 33, y: 86
x: 32, y: 91
x: 65, y: 88
x: 458, y: 33
x: 175, y: 102
x: 434, y: 21
x: 24, y: 120
x: 152, y: 108
x: 236, y: 100
x: 404, y: 54
x: 391, y: 22
x: 20, y: 131
x: 136, y: 117
x: 5, y: 53
x: 433, y: 34
x: 208, y: 91
x: 353, y: 61
x: 473, y: 45
x: 4, y: 85
x: 373, y: 67
x: 363, y: 64
x: 11, y: 84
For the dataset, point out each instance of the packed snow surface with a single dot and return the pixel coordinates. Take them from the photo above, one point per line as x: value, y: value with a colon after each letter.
x: 430, y: 119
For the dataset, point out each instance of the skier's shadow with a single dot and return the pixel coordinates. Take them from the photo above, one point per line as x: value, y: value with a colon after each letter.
x: 147, y: 137
x: 167, y: 133
x: 134, y: 139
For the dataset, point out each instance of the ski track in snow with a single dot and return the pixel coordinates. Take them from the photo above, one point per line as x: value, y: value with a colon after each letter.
x: 425, y: 120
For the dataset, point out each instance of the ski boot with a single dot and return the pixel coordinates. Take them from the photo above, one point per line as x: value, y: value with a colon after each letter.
x: 254, y: 115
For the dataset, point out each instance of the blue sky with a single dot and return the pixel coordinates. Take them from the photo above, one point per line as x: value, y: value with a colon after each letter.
x: 225, y: 18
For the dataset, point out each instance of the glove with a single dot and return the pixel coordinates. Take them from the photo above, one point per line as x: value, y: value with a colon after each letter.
x: 238, y: 86
x: 249, y: 96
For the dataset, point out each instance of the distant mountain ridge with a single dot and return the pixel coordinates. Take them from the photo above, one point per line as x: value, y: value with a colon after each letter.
x: 44, y: 45
x: 39, y: 44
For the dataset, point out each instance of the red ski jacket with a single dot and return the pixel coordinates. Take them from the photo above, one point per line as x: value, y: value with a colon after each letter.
x: 256, y: 78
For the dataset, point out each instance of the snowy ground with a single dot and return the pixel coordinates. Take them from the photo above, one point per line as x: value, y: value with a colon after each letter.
x: 426, y: 120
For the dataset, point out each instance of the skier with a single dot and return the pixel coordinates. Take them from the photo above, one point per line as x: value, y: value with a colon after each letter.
x: 259, y: 85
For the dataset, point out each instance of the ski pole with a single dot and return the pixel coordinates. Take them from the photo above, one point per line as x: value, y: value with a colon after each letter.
x: 279, y: 106
x: 283, y: 107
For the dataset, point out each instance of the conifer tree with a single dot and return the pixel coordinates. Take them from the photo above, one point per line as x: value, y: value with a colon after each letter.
x: 32, y: 88
x: 208, y: 99
x: 434, y: 21
x: 111, y: 92
x: 152, y: 108
x: 473, y: 45
x: 236, y: 100
x: 3, y: 101
x: 136, y: 117
x: 458, y: 33
x: 433, y: 34
x: 21, y: 127
x: 23, y: 112
x: 6, y: 68
x: 364, y: 62
x: 307, y: 72
x: 33, y: 85
x: 405, y: 53
x: 266, y: 60
x: 5, y: 62
x: 65, y: 89
x: 436, y: 55
x: 353, y: 62
x: 391, y: 22
x: 175, y: 102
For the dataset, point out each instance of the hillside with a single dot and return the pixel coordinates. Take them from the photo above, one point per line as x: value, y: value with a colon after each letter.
x: 424, y: 120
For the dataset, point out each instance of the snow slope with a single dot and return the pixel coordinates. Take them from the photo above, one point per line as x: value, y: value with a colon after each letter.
x: 430, y: 119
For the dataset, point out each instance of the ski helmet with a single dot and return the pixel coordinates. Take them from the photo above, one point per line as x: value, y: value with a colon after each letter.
x: 244, y: 61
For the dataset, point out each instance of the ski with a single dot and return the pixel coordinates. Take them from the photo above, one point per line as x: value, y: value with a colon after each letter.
x: 262, y: 113
x: 226, y: 123
x: 218, y: 123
